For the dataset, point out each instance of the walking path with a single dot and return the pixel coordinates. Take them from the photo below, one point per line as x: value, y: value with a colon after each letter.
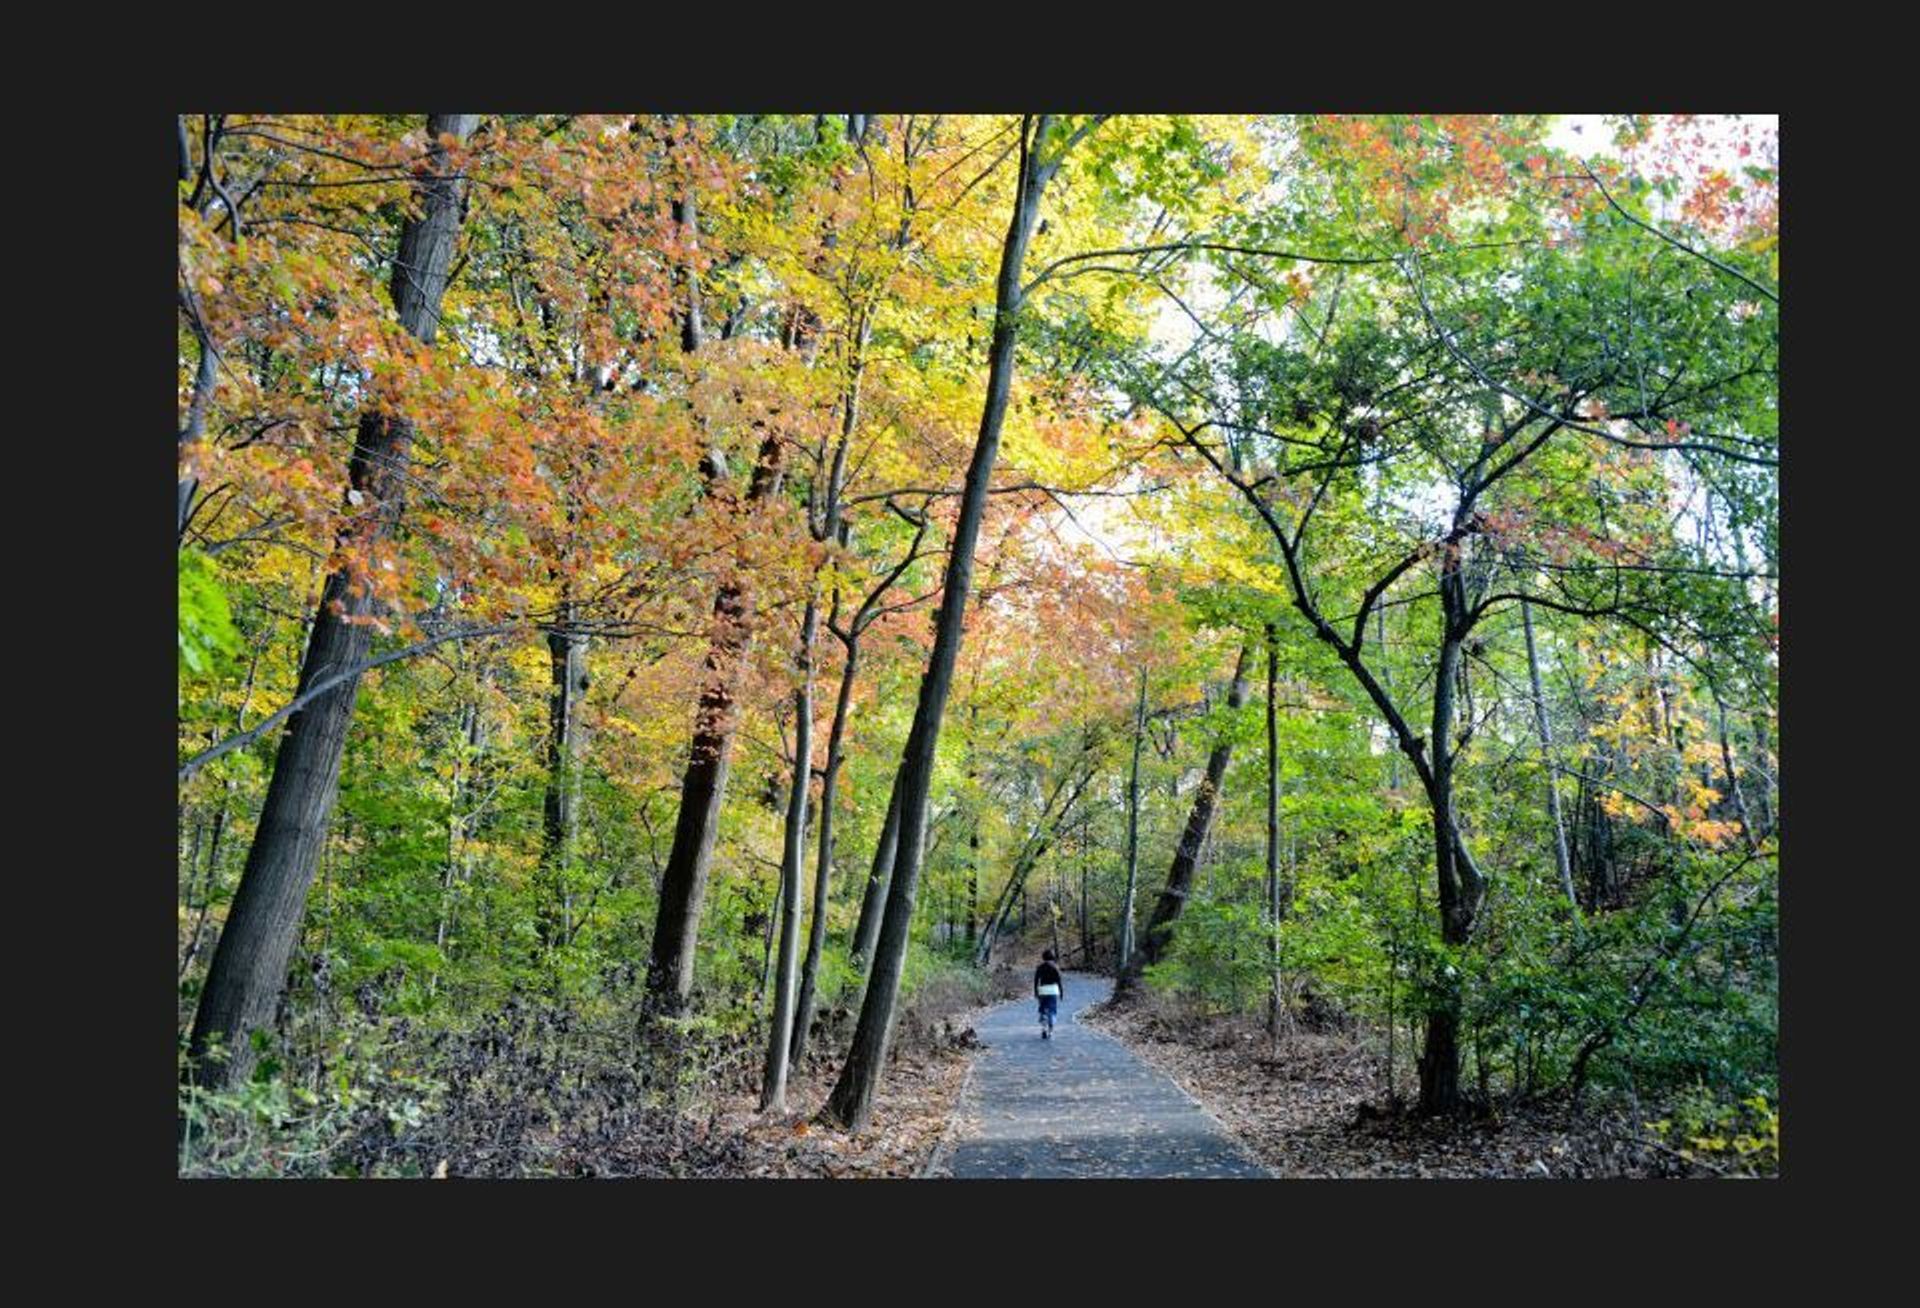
x: 1079, y: 1105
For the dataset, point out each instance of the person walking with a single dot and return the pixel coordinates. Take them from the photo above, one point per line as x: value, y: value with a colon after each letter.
x: 1048, y: 986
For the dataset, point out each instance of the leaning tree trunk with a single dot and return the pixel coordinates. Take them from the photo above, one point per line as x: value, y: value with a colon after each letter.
x: 866, y: 933
x: 1045, y: 831
x: 852, y: 1099
x: 249, y: 966
x: 703, y: 785
x: 1186, y: 858
x: 793, y: 858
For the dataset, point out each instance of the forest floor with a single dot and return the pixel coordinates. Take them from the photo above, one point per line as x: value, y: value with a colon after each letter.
x: 933, y: 1045
x: 1313, y: 1105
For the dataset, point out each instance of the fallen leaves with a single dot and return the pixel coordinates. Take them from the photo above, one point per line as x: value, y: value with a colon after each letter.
x: 1309, y: 1106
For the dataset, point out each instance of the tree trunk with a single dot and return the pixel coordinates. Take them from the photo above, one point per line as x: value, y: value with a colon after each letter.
x: 1733, y: 778
x: 686, y: 213
x: 249, y: 967
x: 1045, y: 830
x: 1562, y: 864
x: 194, y: 428
x: 873, y: 904
x: 1133, y: 827
x: 1461, y: 887
x: 852, y: 1099
x: 1273, y: 835
x: 703, y: 786
x: 793, y: 858
x: 559, y: 813
x: 1186, y: 858
x: 823, y: 873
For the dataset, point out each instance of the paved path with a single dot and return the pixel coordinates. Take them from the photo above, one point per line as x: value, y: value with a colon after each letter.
x: 1080, y: 1105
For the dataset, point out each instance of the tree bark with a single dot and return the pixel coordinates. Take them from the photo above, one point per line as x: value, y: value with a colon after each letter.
x: 823, y: 872
x: 1461, y: 888
x: 1133, y: 827
x: 560, y: 811
x: 793, y: 858
x: 1273, y: 834
x: 874, y: 903
x: 686, y: 213
x: 1561, y: 862
x: 703, y: 785
x: 1186, y: 858
x: 248, y: 971
x: 852, y: 1100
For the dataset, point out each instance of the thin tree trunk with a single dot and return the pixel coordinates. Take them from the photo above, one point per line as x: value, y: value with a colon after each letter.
x: 793, y: 858
x: 194, y: 428
x: 823, y: 872
x: 1133, y: 827
x: 1273, y: 834
x: 1186, y: 859
x: 852, y: 1099
x: 1046, y: 830
x: 567, y: 657
x: 249, y: 968
x: 1561, y: 862
x: 1733, y: 778
x: 873, y: 904
x: 1086, y: 922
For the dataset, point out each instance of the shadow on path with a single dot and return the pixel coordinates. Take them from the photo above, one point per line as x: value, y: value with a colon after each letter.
x: 1080, y: 1105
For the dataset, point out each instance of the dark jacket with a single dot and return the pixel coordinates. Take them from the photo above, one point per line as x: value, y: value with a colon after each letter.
x: 1048, y: 974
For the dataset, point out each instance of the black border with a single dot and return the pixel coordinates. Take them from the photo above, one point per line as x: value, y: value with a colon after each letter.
x: 1363, y: 1235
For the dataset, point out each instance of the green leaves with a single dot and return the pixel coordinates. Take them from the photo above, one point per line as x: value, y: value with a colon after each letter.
x: 207, y: 633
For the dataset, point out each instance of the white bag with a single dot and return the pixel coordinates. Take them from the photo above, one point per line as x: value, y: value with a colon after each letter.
x: 1049, y: 989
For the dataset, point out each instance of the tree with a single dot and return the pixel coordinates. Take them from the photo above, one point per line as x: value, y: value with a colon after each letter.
x: 249, y: 964
x: 1040, y: 158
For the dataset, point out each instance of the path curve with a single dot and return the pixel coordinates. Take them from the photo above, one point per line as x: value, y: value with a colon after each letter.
x: 1079, y: 1105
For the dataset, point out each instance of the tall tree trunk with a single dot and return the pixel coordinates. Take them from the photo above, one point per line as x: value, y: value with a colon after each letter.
x: 560, y: 812
x: 249, y: 967
x: 973, y: 828
x: 686, y: 213
x: 852, y: 1099
x: 1461, y: 887
x: 793, y: 858
x: 703, y: 785
x: 194, y: 428
x: 874, y: 903
x: 823, y: 872
x: 1561, y: 862
x: 1186, y: 858
x: 1133, y: 827
x: 1086, y: 920
x: 1032, y: 850
x: 1763, y: 748
x: 1273, y: 833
